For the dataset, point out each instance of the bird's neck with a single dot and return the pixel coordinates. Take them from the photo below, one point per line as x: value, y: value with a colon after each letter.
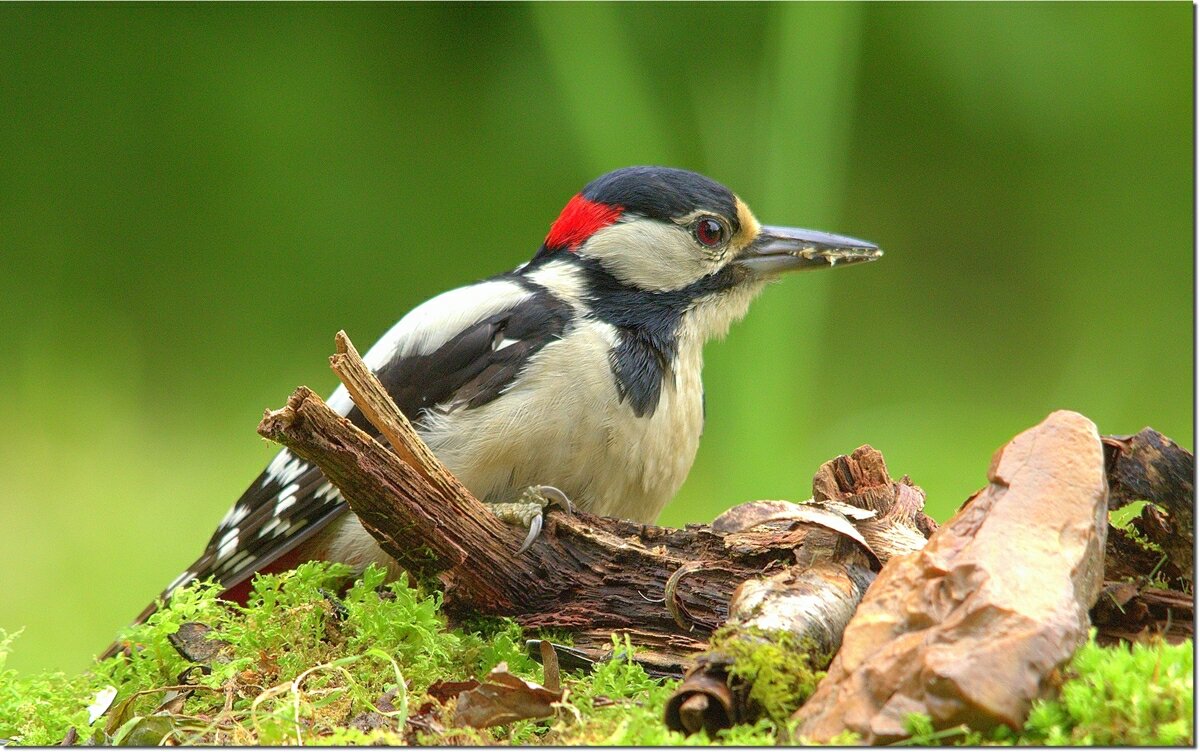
x: 657, y: 331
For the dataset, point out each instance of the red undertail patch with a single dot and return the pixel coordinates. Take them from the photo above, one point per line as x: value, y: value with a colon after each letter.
x: 580, y: 219
x: 239, y: 592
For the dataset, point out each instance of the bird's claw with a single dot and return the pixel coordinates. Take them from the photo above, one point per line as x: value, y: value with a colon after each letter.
x: 535, y: 529
x: 553, y: 497
x: 529, y: 511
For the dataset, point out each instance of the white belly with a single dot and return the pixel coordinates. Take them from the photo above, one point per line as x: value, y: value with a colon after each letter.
x: 561, y: 424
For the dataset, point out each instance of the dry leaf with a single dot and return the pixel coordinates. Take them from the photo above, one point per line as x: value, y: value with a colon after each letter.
x: 502, y: 699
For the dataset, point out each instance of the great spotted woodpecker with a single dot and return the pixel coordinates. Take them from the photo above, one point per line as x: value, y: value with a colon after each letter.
x: 578, y: 370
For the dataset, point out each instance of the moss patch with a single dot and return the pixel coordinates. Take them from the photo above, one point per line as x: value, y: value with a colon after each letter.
x: 775, y: 669
x: 297, y: 666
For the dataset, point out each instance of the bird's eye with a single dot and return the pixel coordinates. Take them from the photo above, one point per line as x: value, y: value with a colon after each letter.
x: 710, y: 232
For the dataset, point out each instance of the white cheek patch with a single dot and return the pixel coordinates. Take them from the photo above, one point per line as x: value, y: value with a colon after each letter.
x: 650, y: 255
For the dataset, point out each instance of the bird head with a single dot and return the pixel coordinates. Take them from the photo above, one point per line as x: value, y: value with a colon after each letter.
x: 664, y: 238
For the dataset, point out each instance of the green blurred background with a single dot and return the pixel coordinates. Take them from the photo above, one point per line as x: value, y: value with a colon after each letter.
x: 196, y: 197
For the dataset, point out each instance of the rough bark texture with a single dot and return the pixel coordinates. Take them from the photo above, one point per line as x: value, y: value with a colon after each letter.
x: 813, y: 601
x: 899, y: 525
x: 1134, y: 606
x: 1150, y: 467
x: 970, y: 628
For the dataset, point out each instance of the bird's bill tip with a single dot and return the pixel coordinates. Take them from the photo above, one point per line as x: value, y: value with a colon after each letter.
x: 780, y: 249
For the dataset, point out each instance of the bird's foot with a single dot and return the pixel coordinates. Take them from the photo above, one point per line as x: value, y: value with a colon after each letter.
x: 530, y: 509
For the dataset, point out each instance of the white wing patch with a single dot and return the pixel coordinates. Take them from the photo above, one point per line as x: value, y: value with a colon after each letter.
x: 267, y: 529
x: 328, y: 492
x: 286, y: 498
x: 236, y: 514
x: 284, y: 468
x: 228, y: 544
x: 433, y: 323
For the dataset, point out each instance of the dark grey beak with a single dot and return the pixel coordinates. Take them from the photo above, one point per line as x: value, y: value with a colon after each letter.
x: 783, y: 249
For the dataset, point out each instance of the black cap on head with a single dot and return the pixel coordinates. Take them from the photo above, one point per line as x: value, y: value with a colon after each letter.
x: 661, y: 192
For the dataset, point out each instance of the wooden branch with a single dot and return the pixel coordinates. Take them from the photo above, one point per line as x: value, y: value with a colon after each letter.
x: 376, y: 404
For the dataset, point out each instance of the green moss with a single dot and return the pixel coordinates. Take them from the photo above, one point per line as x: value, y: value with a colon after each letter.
x: 1123, y: 695
x: 298, y: 667
x: 1124, y: 517
x: 775, y: 667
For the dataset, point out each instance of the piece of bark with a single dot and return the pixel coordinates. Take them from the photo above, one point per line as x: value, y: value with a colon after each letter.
x: 861, y: 480
x: 857, y: 504
x: 1148, y: 466
x: 971, y: 628
x: 1138, y: 612
x: 810, y: 602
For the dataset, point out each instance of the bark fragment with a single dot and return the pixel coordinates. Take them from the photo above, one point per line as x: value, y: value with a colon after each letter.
x: 1148, y: 466
x: 971, y: 628
x: 855, y: 506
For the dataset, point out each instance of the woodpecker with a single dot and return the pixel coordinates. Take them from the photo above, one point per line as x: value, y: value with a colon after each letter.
x: 578, y: 371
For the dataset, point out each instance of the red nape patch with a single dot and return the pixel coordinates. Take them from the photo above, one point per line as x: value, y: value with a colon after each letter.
x: 580, y: 219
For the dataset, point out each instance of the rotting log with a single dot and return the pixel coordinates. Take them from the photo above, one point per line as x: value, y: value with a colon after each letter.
x: 1148, y: 466
x: 666, y: 588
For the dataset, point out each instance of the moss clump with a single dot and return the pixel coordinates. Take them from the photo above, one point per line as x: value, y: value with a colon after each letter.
x: 1118, y: 696
x: 774, y: 668
x: 297, y: 666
